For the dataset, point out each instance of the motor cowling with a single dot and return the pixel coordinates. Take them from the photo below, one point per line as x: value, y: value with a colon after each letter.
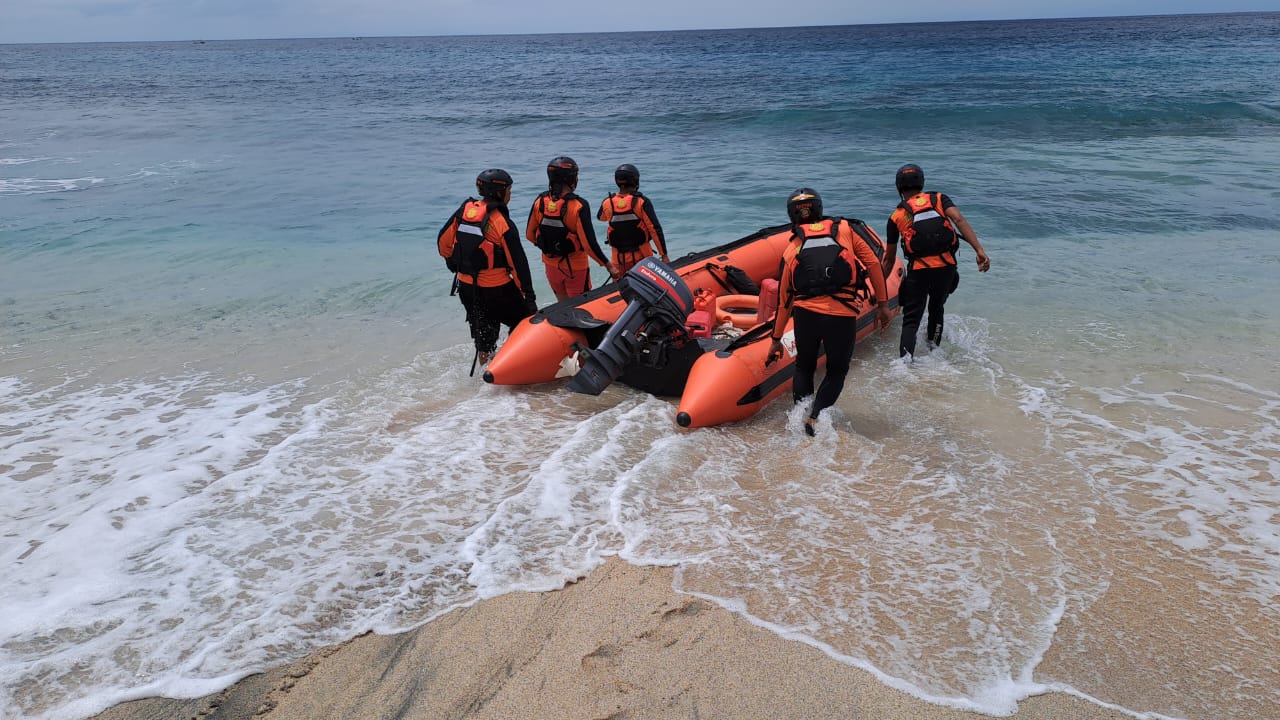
x: 658, y: 301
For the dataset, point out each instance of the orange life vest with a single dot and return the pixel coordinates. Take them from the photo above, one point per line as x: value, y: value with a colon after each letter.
x: 823, y: 266
x: 625, y: 231
x: 553, y: 233
x: 928, y: 237
x: 473, y: 251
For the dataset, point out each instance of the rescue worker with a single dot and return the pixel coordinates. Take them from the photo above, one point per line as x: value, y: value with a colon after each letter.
x: 931, y: 227
x: 560, y: 226
x: 822, y: 289
x: 481, y: 245
x: 634, y: 230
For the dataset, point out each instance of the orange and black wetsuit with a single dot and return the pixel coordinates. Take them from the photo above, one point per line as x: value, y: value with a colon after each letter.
x: 573, y: 214
x: 501, y: 293
x: 634, y: 230
x: 828, y: 321
x: 931, y: 270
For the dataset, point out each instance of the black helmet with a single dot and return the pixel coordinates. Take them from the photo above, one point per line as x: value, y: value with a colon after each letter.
x: 562, y: 170
x: 627, y: 174
x: 909, y: 177
x: 804, y: 205
x: 493, y: 183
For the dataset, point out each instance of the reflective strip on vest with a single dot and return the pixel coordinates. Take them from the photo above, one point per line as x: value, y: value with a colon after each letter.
x: 818, y: 241
x: 926, y: 215
x: 628, y: 217
x: 470, y: 229
x: 552, y: 222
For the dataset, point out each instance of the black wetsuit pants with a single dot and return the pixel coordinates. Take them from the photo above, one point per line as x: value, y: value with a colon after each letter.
x: 835, y: 334
x: 924, y: 287
x: 490, y: 307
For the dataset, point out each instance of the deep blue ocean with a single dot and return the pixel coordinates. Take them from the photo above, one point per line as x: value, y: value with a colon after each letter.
x: 236, y: 420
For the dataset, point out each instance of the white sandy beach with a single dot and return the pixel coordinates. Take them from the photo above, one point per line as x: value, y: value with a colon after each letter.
x: 617, y: 644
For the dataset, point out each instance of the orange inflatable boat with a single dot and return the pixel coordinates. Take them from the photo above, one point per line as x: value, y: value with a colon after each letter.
x: 697, y: 329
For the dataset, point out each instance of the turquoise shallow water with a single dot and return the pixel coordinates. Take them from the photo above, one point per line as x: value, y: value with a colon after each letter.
x: 234, y: 400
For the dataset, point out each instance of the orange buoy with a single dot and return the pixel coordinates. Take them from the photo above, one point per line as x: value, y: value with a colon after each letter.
x: 738, y: 310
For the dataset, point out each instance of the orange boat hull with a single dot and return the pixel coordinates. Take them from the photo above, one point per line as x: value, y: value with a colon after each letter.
x: 734, y: 384
x: 723, y: 386
x: 540, y: 347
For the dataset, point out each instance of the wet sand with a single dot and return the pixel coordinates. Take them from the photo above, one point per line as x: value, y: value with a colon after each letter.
x: 619, y: 644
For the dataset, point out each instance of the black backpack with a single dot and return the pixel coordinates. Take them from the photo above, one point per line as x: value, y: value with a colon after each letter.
x: 472, y: 250
x: 553, y: 234
x: 932, y: 233
x: 625, y: 232
x: 823, y: 265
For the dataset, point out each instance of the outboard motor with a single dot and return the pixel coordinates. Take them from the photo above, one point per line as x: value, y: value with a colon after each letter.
x: 658, y: 301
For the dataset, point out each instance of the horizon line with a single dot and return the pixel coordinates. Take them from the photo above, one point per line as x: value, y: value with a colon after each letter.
x: 637, y: 32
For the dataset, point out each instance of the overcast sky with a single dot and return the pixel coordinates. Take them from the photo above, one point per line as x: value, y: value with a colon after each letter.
x: 110, y: 20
